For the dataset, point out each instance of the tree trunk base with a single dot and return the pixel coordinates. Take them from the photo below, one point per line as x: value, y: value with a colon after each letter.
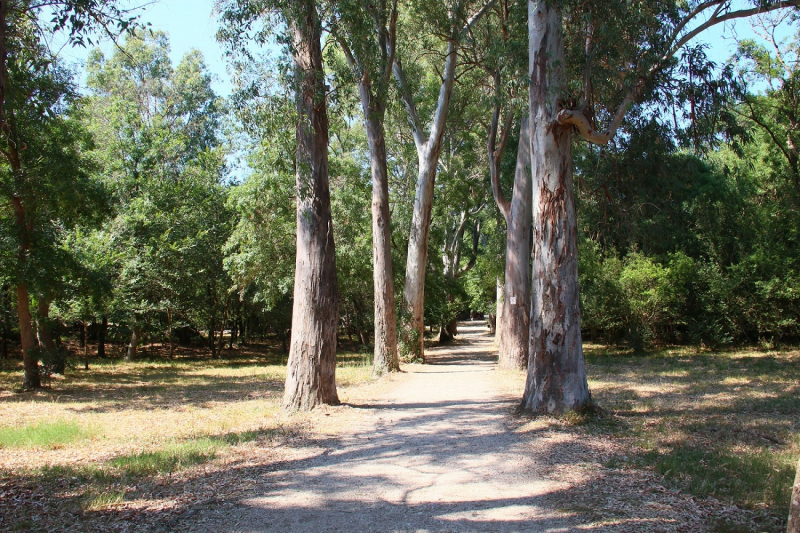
x: 794, y: 505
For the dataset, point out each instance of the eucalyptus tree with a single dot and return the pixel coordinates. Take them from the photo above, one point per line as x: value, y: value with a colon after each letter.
x: 589, y: 62
x: 460, y: 209
x: 366, y: 32
x: 79, y: 20
x: 311, y: 371
x: 453, y: 20
x: 503, y: 62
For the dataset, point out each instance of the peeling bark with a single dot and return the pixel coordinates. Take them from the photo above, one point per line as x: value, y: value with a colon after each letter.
x: 513, y: 328
x: 556, y: 380
x: 311, y: 369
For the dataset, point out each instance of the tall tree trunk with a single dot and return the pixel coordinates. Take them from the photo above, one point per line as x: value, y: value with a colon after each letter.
x: 386, y: 358
x: 412, y: 336
x: 513, y: 328
x: 133, y: 345
x: 212, y: 332
x: 4, y: 314
x: 794, y: 505
x: 85, y: 334
x: 223, y: 322
x: 170, y: 334
x: 311, y: 369
x: 30, y: 358
x: 101, y: 338
x: 556, y: 374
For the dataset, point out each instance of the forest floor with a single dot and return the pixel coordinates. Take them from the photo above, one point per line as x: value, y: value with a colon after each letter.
x: 688, y: 442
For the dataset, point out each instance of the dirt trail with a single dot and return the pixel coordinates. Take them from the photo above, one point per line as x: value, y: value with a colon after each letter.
x: 433, y: 453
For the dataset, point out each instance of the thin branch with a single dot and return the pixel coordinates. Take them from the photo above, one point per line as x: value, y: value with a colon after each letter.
x: 766, y: 127
x: 495, y: 152
x: 581, y: 122
x: 476, y: 17
x: 716, y: 19
x: 445, y: 91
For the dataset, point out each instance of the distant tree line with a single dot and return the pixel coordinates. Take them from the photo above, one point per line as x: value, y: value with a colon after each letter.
x: 391, y: 178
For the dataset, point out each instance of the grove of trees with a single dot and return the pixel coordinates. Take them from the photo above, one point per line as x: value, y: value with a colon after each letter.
x: 572, y: 169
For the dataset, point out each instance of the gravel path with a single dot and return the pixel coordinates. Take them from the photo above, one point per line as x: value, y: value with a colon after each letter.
x: 433, y: 453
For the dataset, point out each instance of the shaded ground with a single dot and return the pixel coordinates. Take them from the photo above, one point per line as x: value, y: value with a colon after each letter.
x: 440, y: 451
x: 433, y: 453
x: 199, y: 446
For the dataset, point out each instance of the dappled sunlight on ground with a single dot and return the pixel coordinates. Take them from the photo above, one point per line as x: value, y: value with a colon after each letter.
x: 437, y: 447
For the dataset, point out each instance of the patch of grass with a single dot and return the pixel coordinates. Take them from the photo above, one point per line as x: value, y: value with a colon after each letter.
x: 353, y: 369
x: 720, y: 424
x: 234, y: 439
x: 746, y: 478
x: 170, y: 459
x: 80, y: 474
x: 43, y: 435
x: 99, y: 502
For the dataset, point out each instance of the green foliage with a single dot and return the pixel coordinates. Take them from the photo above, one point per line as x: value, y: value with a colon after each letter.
x: 158, y: 131
x: 636, y: 297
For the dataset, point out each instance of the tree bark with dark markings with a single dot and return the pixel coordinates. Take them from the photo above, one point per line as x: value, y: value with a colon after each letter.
x: 101, y: 338
x: 311, y: 370
x: 556, y: 380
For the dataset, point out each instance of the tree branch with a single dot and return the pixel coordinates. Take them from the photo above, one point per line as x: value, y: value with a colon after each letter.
x: 575, y: 117
x: 581, y: 122
x: 716, y: 19
x: 475, y: 18
x: 495, y: 152
x: 445, y: 91
x: 408, y: 103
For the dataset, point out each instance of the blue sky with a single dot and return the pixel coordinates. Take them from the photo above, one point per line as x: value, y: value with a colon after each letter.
x: 191, y: 24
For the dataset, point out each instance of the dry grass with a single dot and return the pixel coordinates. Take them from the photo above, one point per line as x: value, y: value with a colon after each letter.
x: 101, y: 444
x: 723, y: 427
